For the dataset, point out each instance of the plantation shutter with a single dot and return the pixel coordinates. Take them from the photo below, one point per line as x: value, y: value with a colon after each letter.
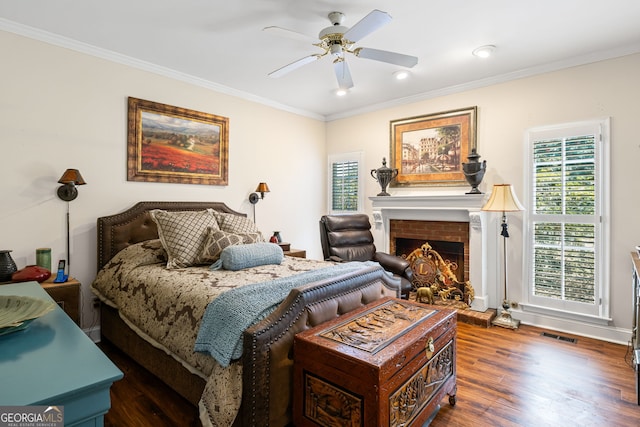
x: 565, y: 218
x: 344, y: 185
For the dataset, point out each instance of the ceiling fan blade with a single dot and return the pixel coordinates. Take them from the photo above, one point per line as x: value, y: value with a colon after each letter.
x: 342, y: 74
x: 289, y: 34
x: 386, y: 56
x: 367, y: 25
x: 294, y: 65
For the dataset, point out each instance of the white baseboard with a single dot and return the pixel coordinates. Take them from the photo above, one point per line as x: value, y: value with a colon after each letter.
x: 601, y: 332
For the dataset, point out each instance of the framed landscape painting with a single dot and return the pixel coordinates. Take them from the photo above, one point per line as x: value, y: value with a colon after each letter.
x: 430, y: 150
x: 173, y: 144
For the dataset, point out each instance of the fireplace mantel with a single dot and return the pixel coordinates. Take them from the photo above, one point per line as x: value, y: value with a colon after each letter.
x: 448, y: 207
x: 432, y: 201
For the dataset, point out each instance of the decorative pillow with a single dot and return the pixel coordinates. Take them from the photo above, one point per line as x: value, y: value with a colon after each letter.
x: 248, y: 238
x: 246, y: 256
x: 216, y: 241
x: 237, y: 224
x: 183, y: 234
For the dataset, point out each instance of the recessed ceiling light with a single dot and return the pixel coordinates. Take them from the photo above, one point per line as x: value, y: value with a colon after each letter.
x: 484, y: 51
x: 341, y: 92
x: 401, y: 74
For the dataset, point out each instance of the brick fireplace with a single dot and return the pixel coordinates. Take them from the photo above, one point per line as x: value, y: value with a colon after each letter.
x: 444, y: 218
x: 450, y: 239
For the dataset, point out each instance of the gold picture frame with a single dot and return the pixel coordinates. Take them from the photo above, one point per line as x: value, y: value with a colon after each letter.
x: 430, y: 150
x: 176, y: 145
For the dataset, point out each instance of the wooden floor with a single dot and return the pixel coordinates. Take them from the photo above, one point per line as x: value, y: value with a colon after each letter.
x: 521, y: 378
x: 140, y: 399
x: 505, y: 378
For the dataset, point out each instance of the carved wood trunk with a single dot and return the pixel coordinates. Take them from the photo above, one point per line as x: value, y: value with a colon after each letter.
x: 387, y: 364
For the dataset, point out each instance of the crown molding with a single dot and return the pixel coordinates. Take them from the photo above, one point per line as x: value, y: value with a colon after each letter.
x: 87, y: 49
x: 503, y: 78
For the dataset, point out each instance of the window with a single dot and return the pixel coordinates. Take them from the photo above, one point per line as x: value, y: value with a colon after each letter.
x: 345, y: 188
x: 567, y: 243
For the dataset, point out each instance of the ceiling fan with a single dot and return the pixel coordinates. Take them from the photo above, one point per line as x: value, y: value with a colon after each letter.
x: 338, y: 40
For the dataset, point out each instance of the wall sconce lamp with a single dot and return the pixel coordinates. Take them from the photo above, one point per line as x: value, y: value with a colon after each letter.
x: 70, y: 178
x: 254, y: 198
x: 68, y: 192
x: 262, y: 188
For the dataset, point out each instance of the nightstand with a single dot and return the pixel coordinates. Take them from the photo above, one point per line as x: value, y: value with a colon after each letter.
x: 298, y: 253
x: 66, y: 295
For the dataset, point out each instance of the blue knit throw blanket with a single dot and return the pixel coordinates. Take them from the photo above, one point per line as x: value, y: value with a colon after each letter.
x: 227, y: 316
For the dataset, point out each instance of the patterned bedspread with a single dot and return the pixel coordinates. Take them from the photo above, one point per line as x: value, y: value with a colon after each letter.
x: 165, y: 307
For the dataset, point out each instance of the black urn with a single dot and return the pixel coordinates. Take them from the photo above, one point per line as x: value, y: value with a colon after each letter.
x: 384, y: 175
x: 7, y: 265
x: 474, y: 171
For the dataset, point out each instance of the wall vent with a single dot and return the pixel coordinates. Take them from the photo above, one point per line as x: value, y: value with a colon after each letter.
x: 559, y: 337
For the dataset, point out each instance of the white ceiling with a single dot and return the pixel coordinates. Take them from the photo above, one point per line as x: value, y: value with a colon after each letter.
x: 221, y: 44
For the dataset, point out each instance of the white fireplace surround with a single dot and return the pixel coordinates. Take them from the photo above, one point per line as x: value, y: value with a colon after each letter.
x: 483, y: 237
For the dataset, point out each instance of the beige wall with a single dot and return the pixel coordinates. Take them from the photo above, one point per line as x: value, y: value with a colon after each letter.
x: 505, y: 111
x: 61, y: 109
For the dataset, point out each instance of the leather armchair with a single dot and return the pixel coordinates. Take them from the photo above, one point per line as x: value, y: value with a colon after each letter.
x: 348, y: 238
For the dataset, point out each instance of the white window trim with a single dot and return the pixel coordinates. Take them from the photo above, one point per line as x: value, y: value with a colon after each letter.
x: 357, y: 156
x: 601, y: 315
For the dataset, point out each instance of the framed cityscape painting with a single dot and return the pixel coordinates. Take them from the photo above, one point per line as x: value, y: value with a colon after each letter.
x: 430, y: 149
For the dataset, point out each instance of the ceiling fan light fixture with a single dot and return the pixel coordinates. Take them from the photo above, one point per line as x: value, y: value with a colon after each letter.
x: 339, y: 41
x: 336, y: 49
x: 484, y: 51
x: 401, y: 75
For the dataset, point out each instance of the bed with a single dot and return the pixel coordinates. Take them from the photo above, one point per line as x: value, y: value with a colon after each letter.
x: 261, y: 378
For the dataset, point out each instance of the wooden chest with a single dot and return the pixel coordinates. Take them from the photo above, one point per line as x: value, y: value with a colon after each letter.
x: 389, y: 363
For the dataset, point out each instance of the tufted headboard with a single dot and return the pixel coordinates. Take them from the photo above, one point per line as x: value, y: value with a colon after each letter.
x: 116, y: 232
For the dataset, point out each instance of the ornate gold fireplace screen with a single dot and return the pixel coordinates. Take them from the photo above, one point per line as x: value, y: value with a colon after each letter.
x: 434, y: 280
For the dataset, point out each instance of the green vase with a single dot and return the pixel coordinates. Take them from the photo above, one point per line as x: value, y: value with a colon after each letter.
x: 43, y: 258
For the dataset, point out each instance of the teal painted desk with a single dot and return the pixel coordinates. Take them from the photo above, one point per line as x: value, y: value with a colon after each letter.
x: 53, y: 362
